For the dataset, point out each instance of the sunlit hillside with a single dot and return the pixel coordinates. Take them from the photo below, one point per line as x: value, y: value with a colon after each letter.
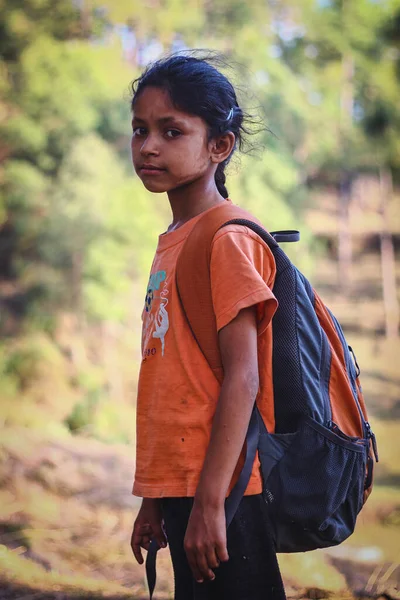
x: 77, y: 236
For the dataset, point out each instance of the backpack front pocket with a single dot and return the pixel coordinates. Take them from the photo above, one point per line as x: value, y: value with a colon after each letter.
x: 315, y: 490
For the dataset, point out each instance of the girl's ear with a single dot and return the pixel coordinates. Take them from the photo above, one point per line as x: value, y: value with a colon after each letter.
x: 221, y: 147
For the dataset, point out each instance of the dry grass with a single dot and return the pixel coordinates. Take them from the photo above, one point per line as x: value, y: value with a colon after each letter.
x: 66, y: 511
x: 73, y: 538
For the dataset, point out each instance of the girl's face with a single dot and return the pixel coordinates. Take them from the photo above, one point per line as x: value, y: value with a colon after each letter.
x: 170, y: 148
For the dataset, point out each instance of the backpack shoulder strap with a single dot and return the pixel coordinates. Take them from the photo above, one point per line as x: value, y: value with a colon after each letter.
x: 193, y: 276
x: 287, y: 235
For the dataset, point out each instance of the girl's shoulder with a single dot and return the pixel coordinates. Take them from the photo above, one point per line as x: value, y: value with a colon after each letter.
x: 242, y: 238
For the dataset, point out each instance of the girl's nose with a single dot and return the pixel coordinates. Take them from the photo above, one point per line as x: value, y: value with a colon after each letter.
x: 149, y: 147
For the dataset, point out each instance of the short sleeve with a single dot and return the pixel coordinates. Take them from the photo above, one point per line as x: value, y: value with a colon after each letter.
x: 242, y: 272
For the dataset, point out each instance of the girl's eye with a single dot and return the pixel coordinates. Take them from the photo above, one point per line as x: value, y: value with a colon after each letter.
x: 172, y: 133
x: 138, y: 131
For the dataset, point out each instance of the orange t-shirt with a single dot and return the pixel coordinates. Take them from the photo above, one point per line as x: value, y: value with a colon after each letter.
x: 177, y: 390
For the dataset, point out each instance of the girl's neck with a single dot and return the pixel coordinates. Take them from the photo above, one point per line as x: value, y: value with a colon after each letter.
x: 189, y: 201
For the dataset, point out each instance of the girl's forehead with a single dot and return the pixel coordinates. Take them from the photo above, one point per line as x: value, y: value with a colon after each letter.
x: 155, y: 102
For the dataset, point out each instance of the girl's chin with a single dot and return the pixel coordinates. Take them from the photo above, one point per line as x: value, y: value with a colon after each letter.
x: 156, y: 188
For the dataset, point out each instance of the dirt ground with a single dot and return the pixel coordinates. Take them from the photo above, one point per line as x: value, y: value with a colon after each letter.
x: 65, y: 521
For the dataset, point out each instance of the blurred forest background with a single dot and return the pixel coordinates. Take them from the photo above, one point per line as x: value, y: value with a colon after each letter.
x: 78, y: 232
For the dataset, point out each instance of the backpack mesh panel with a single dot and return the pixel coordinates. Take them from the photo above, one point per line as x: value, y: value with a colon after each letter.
x: 288, y: 385
x: 314, y: 353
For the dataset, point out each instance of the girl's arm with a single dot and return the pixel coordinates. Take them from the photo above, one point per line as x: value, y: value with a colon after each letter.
x: 205, y: 540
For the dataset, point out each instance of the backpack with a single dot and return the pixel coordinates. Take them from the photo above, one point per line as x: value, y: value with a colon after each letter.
x: 317, y: 465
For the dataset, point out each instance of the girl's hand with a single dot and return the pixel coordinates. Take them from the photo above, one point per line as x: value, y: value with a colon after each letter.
x: 148, y: 525
x: 205, y: 540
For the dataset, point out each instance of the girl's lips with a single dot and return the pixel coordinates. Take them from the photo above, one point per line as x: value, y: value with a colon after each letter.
x: 151, y: 171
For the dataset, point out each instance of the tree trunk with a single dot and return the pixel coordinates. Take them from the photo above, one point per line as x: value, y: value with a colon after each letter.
x: 76, y: 285
x: 86, y: 18
x: 345, y: 250
x: 345, y: 253
x: 388, y: 261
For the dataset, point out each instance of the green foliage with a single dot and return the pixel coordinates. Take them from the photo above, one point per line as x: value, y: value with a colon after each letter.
x: 78, y: 230
x: 8, y: 378
x: 114, y: 423
x: 26, y: 190
x: 161, y: 19
x: 83, y: 413
x: 22, y: 366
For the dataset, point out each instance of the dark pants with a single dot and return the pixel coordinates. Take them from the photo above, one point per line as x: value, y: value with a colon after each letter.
x: 252, y: 572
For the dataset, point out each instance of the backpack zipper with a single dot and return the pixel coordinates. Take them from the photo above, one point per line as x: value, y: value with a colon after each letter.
x: 371, y: 436
x: 348, y: 364
x: 336, y: 429
x: 325, y: 373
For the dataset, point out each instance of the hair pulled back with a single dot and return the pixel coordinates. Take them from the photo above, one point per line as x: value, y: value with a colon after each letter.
x: 196, y: 87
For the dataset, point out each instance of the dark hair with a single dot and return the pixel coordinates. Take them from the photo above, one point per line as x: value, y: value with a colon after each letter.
x: 195, y: 86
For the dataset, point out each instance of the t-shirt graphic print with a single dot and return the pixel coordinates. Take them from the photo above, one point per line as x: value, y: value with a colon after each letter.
x: 155, y: 314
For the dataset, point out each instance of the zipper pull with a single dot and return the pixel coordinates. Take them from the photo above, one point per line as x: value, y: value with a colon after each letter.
x: 358, y: 370
x: 374, y: 446
x: 371, y: 436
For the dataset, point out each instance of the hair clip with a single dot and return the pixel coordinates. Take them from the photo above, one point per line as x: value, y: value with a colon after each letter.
x: 230, y: 114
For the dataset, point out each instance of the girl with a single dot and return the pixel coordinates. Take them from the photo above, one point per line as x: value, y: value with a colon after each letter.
x: 190, y: 429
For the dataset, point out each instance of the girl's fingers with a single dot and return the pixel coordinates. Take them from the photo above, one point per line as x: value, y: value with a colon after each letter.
x: 203, y: 567
x: 142, y: 536
x: 160, y: 536
x: 135, y: 545
x: 221, y: 552
x: 139, y: 542
x: 142, y: 541
x: 212, y: 559
x: 193, y: 565
x: 145, y: 543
